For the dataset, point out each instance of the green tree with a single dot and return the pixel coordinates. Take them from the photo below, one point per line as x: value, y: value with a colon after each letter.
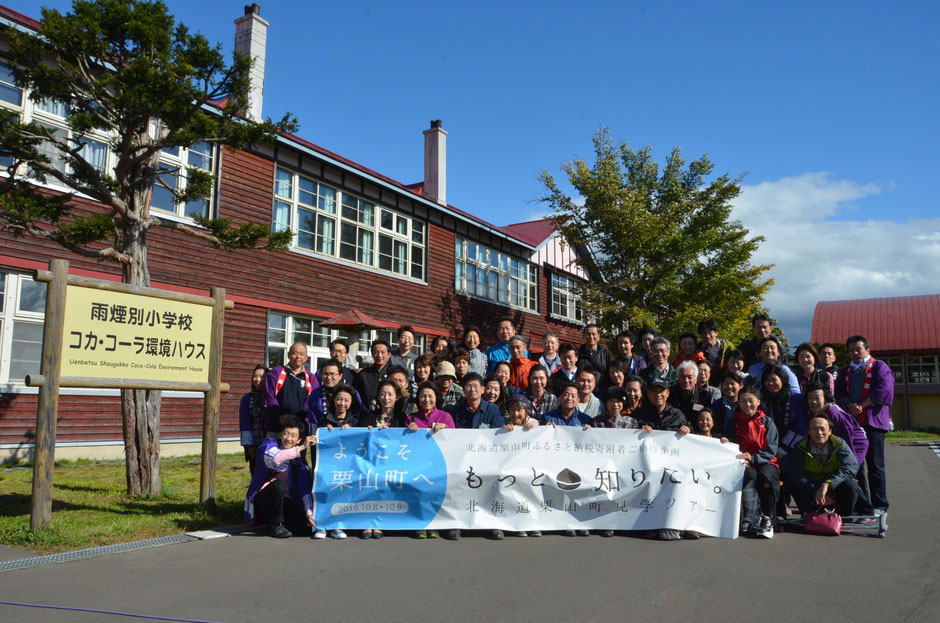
x: 663, y: 242
x: 127, y: 69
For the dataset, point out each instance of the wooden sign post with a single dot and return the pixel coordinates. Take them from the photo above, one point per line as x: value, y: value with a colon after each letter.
x: 106, y: 334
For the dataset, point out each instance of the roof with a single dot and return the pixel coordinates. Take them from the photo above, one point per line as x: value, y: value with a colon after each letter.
x: 355, y: 318
x: 904, y: 324
x: 19, y: 18
x: 530, y: 232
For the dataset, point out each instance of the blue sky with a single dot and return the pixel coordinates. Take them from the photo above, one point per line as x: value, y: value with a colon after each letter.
x: 831, y: 108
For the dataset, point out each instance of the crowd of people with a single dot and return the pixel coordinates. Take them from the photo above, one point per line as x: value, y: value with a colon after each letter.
x: 811, y: 432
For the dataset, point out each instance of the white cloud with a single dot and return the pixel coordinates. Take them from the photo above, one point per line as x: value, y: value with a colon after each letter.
x: 818, y: 258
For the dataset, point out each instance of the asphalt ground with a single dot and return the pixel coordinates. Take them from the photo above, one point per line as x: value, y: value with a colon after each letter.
x: 248, y: 577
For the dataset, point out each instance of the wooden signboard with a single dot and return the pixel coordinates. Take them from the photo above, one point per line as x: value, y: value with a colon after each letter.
x: 105, y: 334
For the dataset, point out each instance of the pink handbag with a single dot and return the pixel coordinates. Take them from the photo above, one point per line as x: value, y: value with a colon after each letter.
x: 825, y: 521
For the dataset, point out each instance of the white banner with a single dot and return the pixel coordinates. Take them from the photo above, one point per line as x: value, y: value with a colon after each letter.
x: 543, y: 479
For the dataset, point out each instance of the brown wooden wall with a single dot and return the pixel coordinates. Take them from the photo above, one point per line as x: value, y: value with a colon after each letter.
x: 271, y: 280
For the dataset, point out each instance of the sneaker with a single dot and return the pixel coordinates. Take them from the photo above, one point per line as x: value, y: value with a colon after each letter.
x: 279, y: 531
x: 421, y: 534
x: 584, y: 533
x: 365, y: 534
x: 319, y: 534
x: 691, y: 535
x: 337, y: 534
x: 607, y: 533
x: 668, y: 535
x: 748, y: 524
x: 765, y: 528
x: 432, y: 534
x: 570, y: 533
x: 535, y: 533
x: 497, y: 535
x: 522, y: 534
x: 863, y: 521
x: 452, y: 535
x: 376, y: 534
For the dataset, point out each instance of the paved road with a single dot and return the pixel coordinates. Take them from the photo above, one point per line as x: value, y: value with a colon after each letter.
x: 794, y: 577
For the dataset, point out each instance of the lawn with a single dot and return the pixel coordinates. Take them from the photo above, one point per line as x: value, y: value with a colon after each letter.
x: 90, y: 506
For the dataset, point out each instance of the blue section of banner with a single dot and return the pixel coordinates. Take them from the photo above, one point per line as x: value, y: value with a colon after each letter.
x: 391, y: 479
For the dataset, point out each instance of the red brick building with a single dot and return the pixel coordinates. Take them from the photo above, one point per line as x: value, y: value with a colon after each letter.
x: 362, y: 241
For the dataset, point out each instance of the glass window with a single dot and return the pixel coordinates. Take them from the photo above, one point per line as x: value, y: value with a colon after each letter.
x: 399, y: 248
x: 922, y: 370
x: 285, y: 329
x: 566, y: 303
x: 486, y: 273
x: 173, y: 163
x: 32, y: 296
x: 9, y: 92
x: 22, y: 305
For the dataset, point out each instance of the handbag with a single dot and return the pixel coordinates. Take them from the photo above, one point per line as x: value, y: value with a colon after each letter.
x: 825, y: 521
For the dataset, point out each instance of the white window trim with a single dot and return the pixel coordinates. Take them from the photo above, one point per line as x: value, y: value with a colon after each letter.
x: 567, y: 290
x: 476, y: 263
x: 8, y: 318
x: 29, y: 111
x: 338, y: 220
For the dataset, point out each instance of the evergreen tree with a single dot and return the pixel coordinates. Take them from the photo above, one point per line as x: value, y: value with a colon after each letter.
x: 126, y: 69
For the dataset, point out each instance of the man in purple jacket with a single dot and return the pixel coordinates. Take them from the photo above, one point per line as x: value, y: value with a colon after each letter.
x: 865, y: 389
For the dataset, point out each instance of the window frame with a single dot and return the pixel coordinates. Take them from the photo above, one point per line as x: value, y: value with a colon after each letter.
x: 356, y: 232
x: 562, y: 286
x: 10, y: 317
x: 497, y: 281
x: 40, y: 112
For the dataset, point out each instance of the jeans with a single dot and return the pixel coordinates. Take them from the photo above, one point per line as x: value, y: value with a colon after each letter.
x: 766, y: 479
x: 875, y: 462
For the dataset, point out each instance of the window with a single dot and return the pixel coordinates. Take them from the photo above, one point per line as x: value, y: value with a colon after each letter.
x: 9, y: 92
x: 284, y: 330
x: 22, y: 308
x: 341, y: 225
x: 366, y: 338
x: 566, y: 303
x: 53, y: 115
x: 497, y: 277
x: 922, y: 370
x: 173, y: 164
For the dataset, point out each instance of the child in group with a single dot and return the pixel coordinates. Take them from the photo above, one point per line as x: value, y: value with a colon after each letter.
x: 705, y: 425
x: 519, y: 417
x: 613, y: 416
x: 756, y: 436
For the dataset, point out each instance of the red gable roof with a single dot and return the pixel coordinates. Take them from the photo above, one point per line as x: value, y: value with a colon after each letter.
x: 530, y: 232
x: 904, y: 324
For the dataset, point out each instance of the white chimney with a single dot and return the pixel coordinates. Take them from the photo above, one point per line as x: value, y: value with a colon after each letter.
x: 251, y: 38
x: 435, y: 163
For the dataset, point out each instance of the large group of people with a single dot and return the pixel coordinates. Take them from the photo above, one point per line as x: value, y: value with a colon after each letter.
x: 813, y: 432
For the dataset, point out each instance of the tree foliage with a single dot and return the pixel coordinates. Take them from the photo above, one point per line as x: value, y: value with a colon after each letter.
x: 126, y: 70
x: 663, y: 242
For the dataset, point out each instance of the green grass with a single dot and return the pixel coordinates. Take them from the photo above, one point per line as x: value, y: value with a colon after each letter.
x: 90, y: 505
x: 897, y: 436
